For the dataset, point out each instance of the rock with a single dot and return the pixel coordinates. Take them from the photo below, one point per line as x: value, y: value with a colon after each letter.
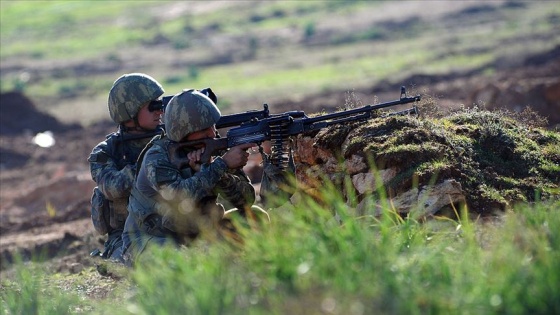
x: 432, y: 199
x: 366, y: 182
x: 419, y: 203
x: 304, y: 151
x: 355, y: 165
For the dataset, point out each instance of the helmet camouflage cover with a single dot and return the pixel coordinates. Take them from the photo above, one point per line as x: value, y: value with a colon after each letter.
x: 188, y: 112
x: 129, y: 93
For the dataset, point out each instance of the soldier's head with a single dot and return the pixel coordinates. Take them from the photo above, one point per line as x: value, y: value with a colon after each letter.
x: 132, y: 92
x: 190, y: 112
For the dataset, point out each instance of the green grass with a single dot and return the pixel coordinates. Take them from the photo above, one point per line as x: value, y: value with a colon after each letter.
x: 104, y: 32
x: 306, y: 262
x: 63, y: 29
x: 281, y: 80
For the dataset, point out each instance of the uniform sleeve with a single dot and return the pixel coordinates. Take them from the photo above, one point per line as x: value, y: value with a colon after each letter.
x: 236, y: 188
x: 113, y: 183
x: 166, y: 179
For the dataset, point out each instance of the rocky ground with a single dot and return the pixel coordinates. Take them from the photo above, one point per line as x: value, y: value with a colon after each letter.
x: 45, y: 191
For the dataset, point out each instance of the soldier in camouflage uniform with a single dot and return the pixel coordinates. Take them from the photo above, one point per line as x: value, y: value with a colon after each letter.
x: 172, y: 205
x: 134, y: 104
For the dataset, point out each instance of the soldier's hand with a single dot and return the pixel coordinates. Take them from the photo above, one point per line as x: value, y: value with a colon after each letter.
x: 237, y: 156
x: 194, y: 159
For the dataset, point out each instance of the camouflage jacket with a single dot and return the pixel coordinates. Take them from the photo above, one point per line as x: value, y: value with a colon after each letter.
x: 112, y: 167
x: 186, y: 201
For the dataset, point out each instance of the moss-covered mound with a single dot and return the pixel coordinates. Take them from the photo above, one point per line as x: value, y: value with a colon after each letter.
x: 497, y: 158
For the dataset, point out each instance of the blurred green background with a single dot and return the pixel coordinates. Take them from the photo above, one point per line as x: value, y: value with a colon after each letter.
x: 65, y: 55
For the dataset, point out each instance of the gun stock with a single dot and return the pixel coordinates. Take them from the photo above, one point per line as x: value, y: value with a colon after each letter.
x: 212, y: 146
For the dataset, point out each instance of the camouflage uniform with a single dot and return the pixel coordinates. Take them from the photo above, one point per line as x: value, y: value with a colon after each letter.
x: 113, y: 167
x: 113, y: 161
x: 169, y: 205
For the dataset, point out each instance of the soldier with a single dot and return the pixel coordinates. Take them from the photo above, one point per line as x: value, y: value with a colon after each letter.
x: 135, y: 105
x: 170, y: 204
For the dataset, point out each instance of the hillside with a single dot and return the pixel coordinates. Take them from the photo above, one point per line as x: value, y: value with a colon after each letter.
x: 485, y: 160
x: 289, y: 54
x: 315, y: 57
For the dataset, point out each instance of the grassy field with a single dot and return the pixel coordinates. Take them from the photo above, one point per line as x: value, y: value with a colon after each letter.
x: 66, y: 54
x: 305, y: 263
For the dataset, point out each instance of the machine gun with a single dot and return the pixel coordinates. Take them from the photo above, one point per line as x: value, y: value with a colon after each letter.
x: 278, y: 128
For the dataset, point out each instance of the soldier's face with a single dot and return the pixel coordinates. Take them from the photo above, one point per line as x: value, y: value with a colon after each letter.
x: 149, y: 119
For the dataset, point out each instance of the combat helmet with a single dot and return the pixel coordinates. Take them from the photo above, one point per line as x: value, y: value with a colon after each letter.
x: 129, y: 93
x: 188, y: 112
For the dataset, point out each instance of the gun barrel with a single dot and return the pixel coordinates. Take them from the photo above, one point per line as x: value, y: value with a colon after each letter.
x: 364, y: 111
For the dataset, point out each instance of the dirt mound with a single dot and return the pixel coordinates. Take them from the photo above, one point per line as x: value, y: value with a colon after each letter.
x: 18, y: 114
x: 489, y: 160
